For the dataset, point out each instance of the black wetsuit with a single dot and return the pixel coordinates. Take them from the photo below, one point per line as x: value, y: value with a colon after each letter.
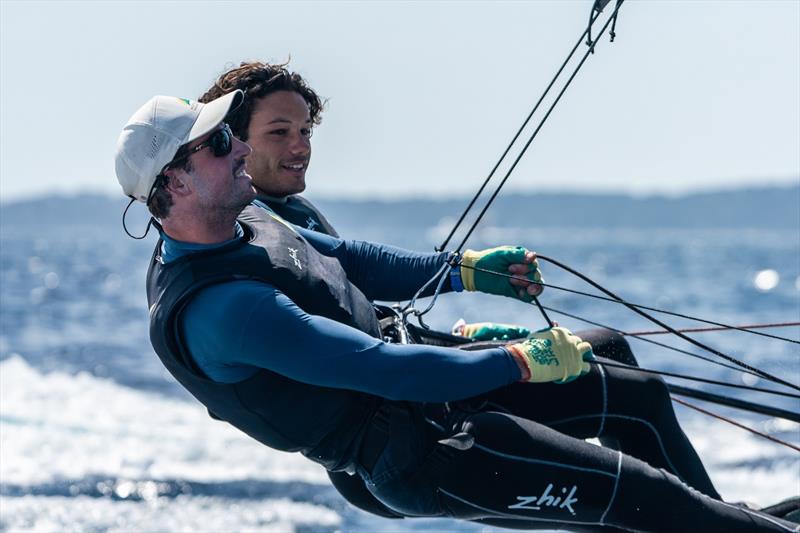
x: 529, y: 467
x: 605, y: 343
x: 514, y: 456
x: 503, y: 460
x: 300, y: 212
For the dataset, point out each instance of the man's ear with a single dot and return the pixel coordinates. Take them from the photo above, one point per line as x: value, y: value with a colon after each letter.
x: 178, y: 182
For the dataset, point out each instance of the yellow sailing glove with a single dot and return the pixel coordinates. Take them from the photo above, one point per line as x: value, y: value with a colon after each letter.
x: 505, y: 260
x: 489, y: 331
x: 553, y: 354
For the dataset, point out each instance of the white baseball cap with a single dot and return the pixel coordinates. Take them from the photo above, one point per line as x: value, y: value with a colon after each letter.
x: 152, y: 136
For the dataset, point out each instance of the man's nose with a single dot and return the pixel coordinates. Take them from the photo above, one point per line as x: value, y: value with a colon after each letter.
x: 241, y: 148
x: 300, y: 144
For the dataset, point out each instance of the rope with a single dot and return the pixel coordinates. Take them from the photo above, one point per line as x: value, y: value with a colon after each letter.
x: 592, y: 18
x: 656, y: 343
x: 535, y: 132
x: 695, y: 378
x: 721, y: 325
x: 724, y: 328
x: 763, y: 374
x: 733, y: 402
x: 737, y: 424
x: 597, y: 7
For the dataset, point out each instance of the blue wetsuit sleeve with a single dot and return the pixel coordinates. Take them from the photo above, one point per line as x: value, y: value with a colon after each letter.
x: 257, y: 326
x: 380, y: 271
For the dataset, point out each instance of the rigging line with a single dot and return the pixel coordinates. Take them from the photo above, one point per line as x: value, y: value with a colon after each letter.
x: 698, y: 379
x: 536, y: 131
x: 737, y: 424
x: 758, y: 372
x: 597, y: 8
x: 762, y: 373
x: 661, y: 344
x: 725, y: 328
x: 720, y: 325
x: 550, y: 323
x: 436, y: 292
x: 409, y: 307
x: 654, y: 309
x: 734, y: 402
x: 592, y: 18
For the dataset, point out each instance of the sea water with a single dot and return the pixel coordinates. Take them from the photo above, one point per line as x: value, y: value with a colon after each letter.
x: 96, y: 436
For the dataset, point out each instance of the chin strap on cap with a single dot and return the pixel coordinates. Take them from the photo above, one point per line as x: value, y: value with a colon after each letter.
x: 125, y: 227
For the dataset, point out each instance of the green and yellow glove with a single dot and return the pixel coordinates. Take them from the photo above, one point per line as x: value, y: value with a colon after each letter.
x: 489, y: 331
x: 500, y: 260
x: 552, y: 355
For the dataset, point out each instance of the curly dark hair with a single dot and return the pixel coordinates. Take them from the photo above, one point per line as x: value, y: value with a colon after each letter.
x: 257, y: 80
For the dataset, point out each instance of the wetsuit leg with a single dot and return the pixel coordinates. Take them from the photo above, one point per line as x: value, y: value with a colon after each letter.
x: 504, y: 468
x: 631, y: 407
x: 609, y: 344
x: 605, y: 343
x: 353, y: 490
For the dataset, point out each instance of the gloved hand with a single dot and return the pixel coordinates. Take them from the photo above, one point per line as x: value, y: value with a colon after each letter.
x: 507, y: 260
x: 553, y: 354
x: 489, y: 331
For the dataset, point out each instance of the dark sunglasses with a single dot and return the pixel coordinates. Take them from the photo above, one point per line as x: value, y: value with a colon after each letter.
x: 220, y: 142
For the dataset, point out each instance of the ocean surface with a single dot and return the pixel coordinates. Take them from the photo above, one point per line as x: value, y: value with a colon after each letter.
x: 96, y: 436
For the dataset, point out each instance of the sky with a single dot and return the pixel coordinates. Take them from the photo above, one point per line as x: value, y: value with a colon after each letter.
x: 422, y: 97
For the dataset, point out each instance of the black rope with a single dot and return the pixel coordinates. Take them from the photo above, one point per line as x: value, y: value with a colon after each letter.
x: 651, y: 341
x: 597, y: 8
x: 634, y: 308
x: 613, y: 33
x: 533, y: 136
x: 698, y: 379
x: 697, y: 343
x: 592, y: 18
x: 550, y: 323
x: 654, y: 309
x: 439, y: 278
x: 733, y: 402
x: 674, y: 313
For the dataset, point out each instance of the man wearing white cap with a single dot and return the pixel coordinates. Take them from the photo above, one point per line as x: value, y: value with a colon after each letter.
x: 271, y: 328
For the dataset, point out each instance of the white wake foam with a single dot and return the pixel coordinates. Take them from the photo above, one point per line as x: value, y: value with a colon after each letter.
x: 57, y: 428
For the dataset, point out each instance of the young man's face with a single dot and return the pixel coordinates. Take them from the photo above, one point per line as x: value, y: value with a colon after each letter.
x: 280, y: 136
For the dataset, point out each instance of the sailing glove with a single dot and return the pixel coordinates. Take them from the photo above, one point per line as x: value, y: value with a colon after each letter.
x: 489, y: 331
x: 552, y: 355
x: 477, y: 271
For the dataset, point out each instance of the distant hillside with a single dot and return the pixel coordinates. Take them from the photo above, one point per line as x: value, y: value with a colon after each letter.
x: 775, y: 207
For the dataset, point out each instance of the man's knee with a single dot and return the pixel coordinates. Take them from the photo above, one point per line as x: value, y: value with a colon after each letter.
x: 609, y: 344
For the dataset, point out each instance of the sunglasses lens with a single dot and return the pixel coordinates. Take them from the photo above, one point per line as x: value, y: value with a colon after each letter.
x: 221, y: 142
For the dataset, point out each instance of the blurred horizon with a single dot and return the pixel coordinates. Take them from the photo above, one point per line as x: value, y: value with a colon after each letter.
x: 784, y: 182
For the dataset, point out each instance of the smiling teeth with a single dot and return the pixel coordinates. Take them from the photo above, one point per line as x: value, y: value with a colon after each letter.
x: 298, y: 166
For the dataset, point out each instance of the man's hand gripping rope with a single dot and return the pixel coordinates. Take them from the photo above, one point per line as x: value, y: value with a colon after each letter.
x: 515, y: 260
x: 552, y: 355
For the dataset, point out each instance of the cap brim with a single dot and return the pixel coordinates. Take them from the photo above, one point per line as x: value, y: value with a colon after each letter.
x: 213, y: 113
